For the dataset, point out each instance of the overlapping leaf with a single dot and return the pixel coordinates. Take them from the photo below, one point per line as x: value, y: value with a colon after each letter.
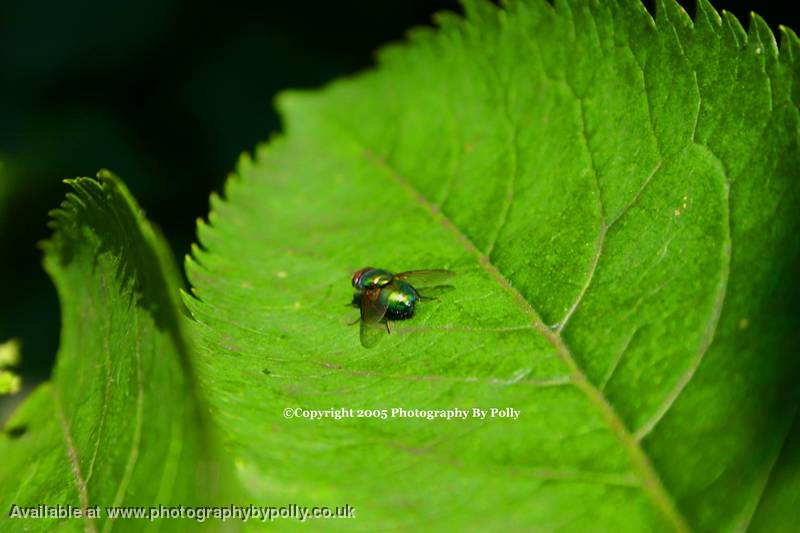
x: 120, y: 423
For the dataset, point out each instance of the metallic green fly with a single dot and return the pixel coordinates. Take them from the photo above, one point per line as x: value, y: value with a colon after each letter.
x: 383, y: 296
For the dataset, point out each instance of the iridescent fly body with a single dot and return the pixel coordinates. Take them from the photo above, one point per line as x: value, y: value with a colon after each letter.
x: 383, y: 296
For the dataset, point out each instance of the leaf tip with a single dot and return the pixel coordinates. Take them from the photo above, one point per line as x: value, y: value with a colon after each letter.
x: 188, y: 298
x: 706, y: 12
x: 674, y: 13
x: 762, y: 36
x: 105, y: 174
x: 735, y: 27
x: 287, y: 101
x: 790, y: 44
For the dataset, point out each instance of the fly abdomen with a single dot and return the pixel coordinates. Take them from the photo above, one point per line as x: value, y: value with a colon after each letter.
x: 401, y: 298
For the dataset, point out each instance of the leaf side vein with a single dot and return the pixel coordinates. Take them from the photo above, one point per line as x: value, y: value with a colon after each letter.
x: 75, y: 466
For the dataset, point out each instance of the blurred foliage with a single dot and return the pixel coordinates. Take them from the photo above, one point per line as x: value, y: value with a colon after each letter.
x: 10, y: 383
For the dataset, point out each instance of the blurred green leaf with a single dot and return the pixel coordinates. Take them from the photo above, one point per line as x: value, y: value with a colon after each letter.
x: 778, y: 508
x: 9, y: 353
x: 10, y: 382
x: 619, y: 199
x: 121, y: 422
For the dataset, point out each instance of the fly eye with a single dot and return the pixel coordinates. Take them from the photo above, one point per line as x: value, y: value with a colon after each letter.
x: 357, y: 277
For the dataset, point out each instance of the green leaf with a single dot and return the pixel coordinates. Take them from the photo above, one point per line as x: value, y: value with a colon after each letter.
x: 121, y: 422
x: 619, y: 199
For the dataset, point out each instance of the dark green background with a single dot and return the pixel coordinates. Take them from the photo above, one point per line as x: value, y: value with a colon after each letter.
x: 166, y: 93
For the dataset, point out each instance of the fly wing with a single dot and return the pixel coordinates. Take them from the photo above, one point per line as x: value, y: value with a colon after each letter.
x: 371, y: 333
x: 372, y: 307
x: 433, y: 293
x: 425, y: 278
